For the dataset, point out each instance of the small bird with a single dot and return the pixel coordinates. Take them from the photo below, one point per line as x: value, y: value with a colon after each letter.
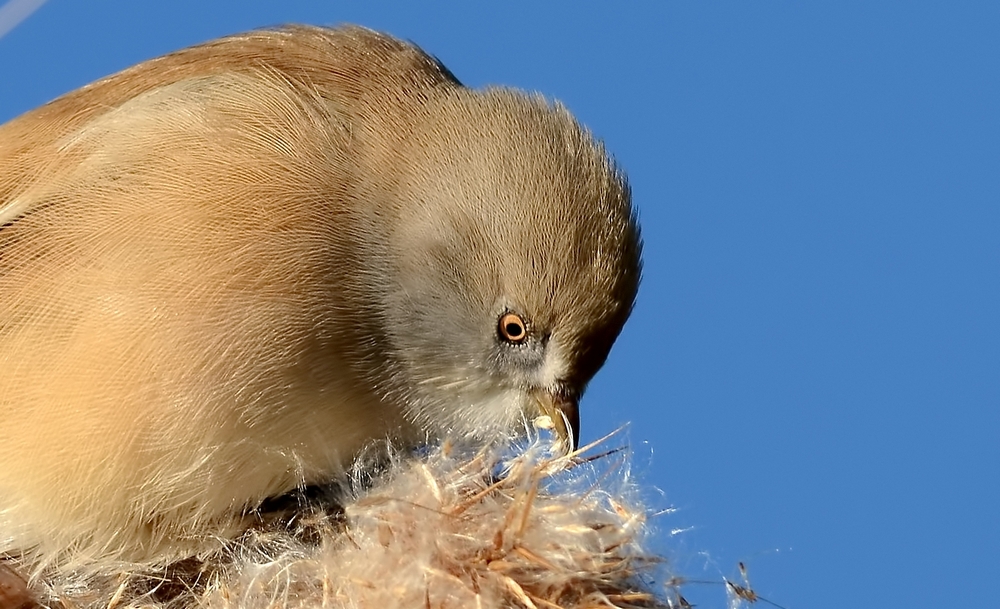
x: 226, y: 271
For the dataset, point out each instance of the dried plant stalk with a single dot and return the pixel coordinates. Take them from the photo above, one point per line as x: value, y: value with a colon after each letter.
x: 446, y: 529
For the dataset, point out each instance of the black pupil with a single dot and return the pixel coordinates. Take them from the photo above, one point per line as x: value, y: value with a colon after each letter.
x: 513, y: 330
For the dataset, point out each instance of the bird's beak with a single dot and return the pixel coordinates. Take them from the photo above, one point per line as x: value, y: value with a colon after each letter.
x: 565, y: 415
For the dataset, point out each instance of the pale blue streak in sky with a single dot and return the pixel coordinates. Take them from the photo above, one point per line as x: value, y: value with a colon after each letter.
x: 14, y: 12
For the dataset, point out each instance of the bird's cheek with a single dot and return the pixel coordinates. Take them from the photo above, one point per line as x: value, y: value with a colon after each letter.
x: 555, y: 365
x: 484, y: 412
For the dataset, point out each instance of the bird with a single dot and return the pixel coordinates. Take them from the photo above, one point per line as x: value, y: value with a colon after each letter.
x: 226, y: 271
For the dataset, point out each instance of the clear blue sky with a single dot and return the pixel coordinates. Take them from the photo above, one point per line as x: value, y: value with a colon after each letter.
x: 813, y: 370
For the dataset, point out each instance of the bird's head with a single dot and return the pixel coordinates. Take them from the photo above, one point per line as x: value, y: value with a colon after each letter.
x: 514, y: 254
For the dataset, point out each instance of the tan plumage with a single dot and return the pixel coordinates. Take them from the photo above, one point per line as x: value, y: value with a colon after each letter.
x: 225, y: 271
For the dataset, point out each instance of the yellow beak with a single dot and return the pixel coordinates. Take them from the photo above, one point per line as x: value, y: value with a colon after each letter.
x: 565, y: 415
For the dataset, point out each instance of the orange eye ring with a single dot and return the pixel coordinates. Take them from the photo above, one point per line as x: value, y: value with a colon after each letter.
x: 512, y: 328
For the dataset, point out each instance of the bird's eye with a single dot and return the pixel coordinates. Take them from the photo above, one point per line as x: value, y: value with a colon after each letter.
x: 512, y: 328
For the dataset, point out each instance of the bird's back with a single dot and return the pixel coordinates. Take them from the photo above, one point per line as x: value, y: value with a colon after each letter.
x: 168, y: 319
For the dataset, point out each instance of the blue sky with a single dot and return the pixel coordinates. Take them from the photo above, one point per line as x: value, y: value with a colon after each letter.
x: 812, y: 373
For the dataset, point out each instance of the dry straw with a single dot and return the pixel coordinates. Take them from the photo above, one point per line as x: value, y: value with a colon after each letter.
x: 450, y: 528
